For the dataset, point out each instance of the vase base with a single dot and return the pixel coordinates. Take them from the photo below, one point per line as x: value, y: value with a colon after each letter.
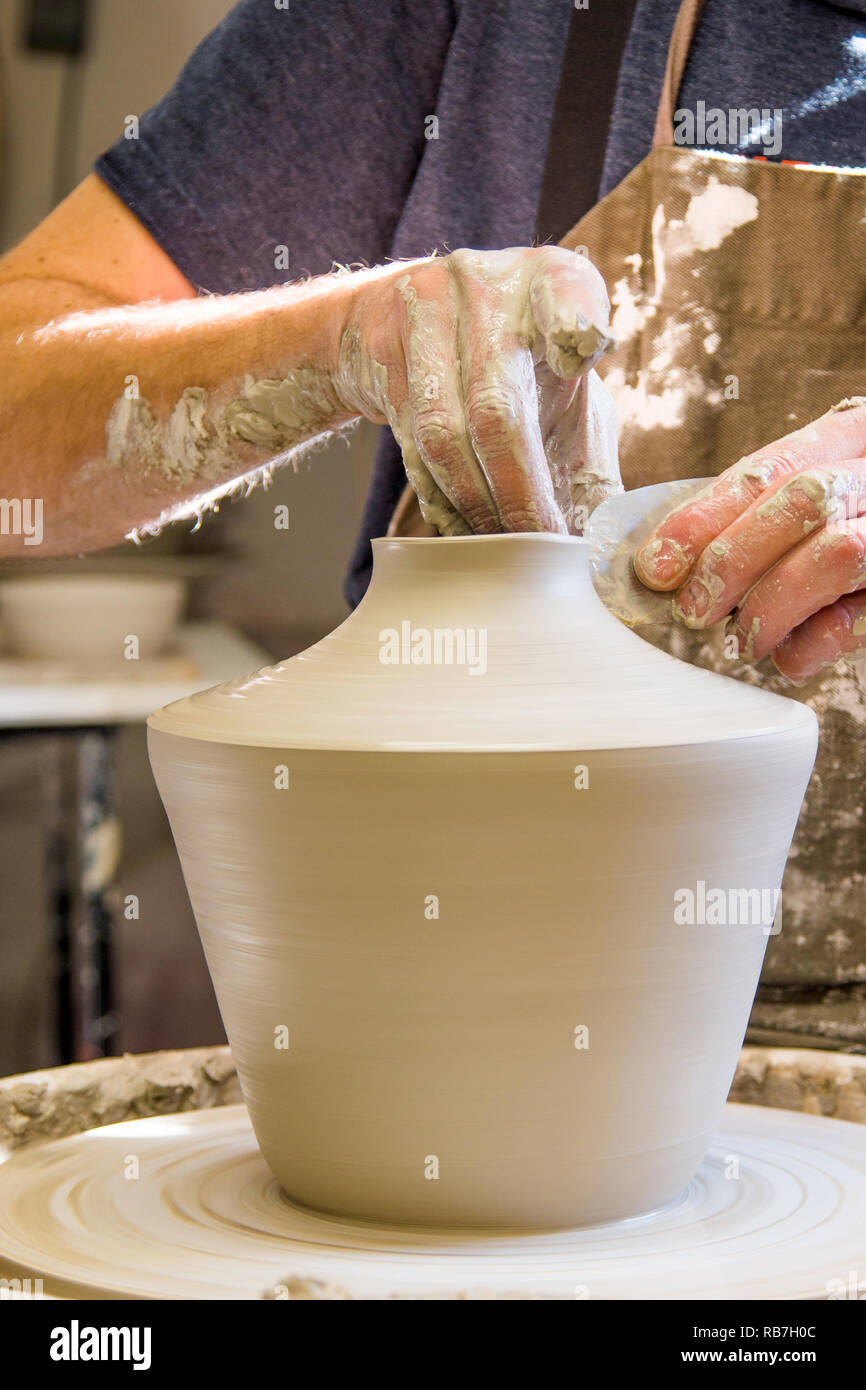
x: 526, y: 1221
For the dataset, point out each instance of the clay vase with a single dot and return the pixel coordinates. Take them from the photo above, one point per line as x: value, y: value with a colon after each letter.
x: 484, y: 883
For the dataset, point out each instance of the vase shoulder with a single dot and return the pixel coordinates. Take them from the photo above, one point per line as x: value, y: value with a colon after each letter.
x: 495, y: 643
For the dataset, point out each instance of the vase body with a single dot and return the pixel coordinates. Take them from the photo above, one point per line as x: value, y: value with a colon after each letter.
x: 485, y: 912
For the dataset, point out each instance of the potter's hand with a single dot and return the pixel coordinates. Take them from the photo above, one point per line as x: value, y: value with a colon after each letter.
x: 481, y: 363
x: 779, y: 540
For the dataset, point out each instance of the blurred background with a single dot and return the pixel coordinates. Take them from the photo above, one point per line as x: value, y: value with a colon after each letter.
x: 253, y: 591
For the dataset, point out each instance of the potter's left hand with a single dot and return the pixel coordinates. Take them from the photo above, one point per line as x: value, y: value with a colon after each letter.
x: 779, y: 542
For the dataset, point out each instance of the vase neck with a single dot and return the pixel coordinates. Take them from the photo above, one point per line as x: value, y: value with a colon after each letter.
x: 525, y: 564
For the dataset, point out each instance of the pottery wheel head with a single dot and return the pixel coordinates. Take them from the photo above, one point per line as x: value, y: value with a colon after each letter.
x: 206, y: 1220
x: 615, y: 530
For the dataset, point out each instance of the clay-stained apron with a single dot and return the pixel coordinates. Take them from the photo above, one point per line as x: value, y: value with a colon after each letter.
x: 738, y: 292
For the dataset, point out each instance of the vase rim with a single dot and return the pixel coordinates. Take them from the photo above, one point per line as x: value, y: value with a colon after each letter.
x: 508, y: 537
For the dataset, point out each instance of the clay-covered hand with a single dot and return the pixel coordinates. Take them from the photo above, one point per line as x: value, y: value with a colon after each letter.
x: 481, y: 362
x: 779, y: 541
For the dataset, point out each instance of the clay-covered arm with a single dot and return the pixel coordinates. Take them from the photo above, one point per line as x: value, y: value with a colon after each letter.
x: 779, y: 542
x: 124, y: 396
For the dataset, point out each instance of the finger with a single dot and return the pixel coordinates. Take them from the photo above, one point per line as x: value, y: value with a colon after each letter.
x: 595, y: 463
x: 437, y: 413
x: 557, y: 422
x: 782, y: 516
x: 571, y: 310
x: 666, y: 556
x: 436, y: 508
x: 839, y: 630
x: 381, y: 390
x: 502, y: 411
x: 581, y: 450
x: 813, y: 575
x: 505, y: 433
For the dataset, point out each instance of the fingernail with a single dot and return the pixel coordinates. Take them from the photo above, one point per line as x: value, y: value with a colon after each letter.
x: 697, y: 599
x: 692, y: 604
x: 661, y: 562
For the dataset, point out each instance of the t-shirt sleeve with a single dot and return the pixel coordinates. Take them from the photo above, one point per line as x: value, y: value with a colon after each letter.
x: 289, y: 141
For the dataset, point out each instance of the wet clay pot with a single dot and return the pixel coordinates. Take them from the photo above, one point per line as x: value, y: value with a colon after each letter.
x: 484, y: 882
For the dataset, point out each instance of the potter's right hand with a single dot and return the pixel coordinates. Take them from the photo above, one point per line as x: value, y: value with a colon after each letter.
x: 481, y: 362
x: 778, y: 541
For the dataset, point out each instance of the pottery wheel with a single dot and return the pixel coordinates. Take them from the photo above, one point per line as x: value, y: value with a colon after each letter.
x: 777, y: 1210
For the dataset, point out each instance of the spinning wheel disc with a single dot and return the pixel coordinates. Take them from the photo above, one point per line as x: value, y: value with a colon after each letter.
x: 777, y: 1210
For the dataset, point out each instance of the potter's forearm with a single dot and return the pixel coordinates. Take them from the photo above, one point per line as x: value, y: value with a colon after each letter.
x: 119, y: 415
x: 114, y: 415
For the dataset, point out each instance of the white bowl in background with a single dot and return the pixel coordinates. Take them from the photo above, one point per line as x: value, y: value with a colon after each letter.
x: 90, y: 616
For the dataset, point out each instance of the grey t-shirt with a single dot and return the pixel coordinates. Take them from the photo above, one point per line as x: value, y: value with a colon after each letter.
x: 305, y: 132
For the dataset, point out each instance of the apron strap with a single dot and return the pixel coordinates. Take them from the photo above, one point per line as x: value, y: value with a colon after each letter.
x: 681, y: 41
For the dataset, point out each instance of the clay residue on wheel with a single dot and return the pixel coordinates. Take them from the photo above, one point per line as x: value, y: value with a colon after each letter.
x: 43, y: 1105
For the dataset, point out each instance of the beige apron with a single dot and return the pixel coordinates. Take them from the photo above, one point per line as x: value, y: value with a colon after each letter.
x: 738, y: 291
